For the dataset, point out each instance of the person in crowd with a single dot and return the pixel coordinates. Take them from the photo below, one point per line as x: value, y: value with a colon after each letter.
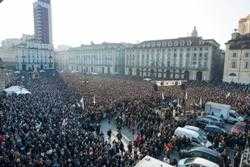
x: 51, y: 128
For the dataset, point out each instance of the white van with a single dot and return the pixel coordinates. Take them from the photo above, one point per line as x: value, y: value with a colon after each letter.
x: 222, y: 111
x: 196, y: 129
x: 196, y: 161
x: 196, y: 138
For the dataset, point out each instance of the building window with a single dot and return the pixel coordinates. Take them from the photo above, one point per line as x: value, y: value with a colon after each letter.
x: 247, y: 55
x: 246, y: 65
x: 205, y: 64
x: 233, y: 64
x: 234, y: 54
x: 205, y: 56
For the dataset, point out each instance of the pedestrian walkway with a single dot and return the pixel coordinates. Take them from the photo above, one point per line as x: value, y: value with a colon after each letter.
x: 127, y: 135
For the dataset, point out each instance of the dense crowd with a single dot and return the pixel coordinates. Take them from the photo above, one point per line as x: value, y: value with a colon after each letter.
x: 59, y: 123
x: 154, y: 132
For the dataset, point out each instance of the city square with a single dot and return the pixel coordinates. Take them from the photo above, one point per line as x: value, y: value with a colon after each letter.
x: 173, y: 102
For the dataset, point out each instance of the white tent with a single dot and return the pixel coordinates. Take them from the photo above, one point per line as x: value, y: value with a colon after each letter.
x: 148, y: 161
x: 16, y: 90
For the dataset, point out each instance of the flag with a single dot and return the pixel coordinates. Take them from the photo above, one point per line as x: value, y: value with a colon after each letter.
x: 228, y: 95
x: 65, y: 122
x: 94, y: 100
x: 162, y: 96
x: 82, y: 102
x: 178, y: 103
x: 186, y: 96
x: 200, y: 102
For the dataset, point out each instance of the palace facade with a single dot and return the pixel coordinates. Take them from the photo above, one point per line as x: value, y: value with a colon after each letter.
x: 188, y: 58
x: 105, y: 58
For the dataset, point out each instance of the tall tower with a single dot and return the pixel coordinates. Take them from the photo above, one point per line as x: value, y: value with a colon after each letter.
x: 195, y: 33
x: 42, y: 21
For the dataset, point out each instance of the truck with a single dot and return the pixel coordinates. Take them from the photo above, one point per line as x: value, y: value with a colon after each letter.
x: 222, y: 111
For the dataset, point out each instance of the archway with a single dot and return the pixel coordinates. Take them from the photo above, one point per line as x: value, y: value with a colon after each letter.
x: 147, y: 72
x: 130, y: 71
x: 199, y: 76
x: 152, y: 73
x: 174, y: 73
x: 138, y: 72
x: 23, y: 67
x: 108, y: 70
x: 168, y: 74
x: 180, y: 74
x: 186, y: 75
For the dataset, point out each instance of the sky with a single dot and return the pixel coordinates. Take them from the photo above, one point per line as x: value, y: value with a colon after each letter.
x: 76, y: 22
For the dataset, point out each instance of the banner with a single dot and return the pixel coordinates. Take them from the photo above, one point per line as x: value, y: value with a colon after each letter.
x: 170, y: 83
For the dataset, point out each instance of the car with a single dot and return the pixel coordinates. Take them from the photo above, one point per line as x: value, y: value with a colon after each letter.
x: 194, y: 128
x: 202, y: 152
x: 239, y: 128
x: 196, y: 138
x: 147, y: 79
x: 213, y: 129
x: 93, y: 73
x: 234, y: 117
x: 216, y: 122
x: 203, y: 122
x: 214, y: 118
x: 196, y: 161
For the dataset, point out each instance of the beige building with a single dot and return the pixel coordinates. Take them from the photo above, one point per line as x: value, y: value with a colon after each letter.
x: 62, y: 58
x: 8, y: 52
x: 2, y: 76
x: 244, y: 25
x: 104, y: 58
x: 237, y: 59
x: 189, y: 58
x: 35, y: 56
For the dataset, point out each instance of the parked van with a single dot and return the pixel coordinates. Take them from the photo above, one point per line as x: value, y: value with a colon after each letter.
x: 196, y: 138
x: 196, y: 161
x: 196, y: 129
x: 203, y: 152
x: 222, y: 111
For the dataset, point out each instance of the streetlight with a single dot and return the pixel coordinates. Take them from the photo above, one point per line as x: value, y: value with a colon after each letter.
x: 240, y: 63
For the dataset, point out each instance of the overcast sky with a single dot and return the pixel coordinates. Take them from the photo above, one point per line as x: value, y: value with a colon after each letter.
x: 78, y: 22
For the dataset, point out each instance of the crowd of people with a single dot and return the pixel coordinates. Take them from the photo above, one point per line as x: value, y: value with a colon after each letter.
x: 59, y: 123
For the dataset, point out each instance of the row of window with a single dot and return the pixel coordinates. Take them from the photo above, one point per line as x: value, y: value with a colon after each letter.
x: 194, y: 56
x: 234, y: 65
x: 246, y: 55
x: 169, y: 49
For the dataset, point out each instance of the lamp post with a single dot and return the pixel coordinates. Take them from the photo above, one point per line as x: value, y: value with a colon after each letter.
x: 240, y: 63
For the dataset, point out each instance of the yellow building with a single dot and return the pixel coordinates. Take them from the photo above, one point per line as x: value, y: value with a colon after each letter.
x: 244, y: 25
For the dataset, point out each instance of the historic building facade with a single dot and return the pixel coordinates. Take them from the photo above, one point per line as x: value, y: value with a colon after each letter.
x: 27, y: 53
x: 2, y: 76
x: 35, y: 56
x: 237, y: 59
x: 8, y: 54
x: 62, y: 58
x: 189, y: 58
x: 105, y: 58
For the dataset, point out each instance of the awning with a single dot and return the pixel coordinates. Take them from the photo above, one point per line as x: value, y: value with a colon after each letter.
x: 16, y: 90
